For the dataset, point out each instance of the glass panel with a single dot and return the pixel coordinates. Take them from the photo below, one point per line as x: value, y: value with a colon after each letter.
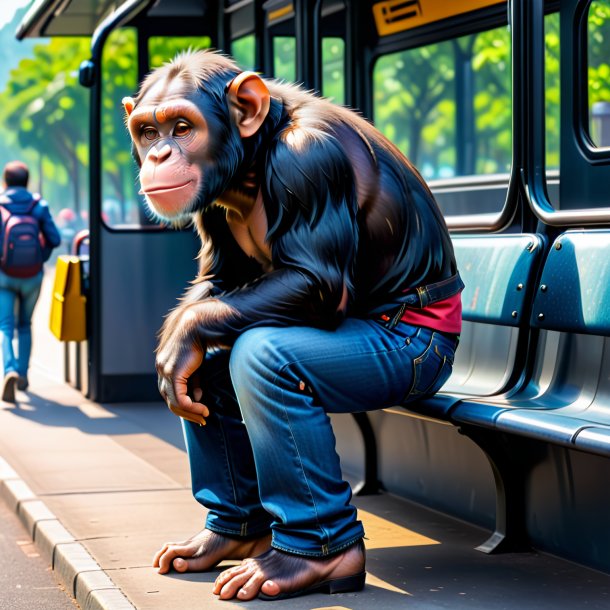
x: 552, y: 99
x: 121, y: 204
x: 243, y: 51
x: 448, y: 105
x: 285, y: 58
x: 162, y: 49
x: 599, y: 72
x: 333, y: 69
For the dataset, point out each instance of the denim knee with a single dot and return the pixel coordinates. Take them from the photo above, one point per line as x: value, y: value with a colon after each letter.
x: 253, y: 354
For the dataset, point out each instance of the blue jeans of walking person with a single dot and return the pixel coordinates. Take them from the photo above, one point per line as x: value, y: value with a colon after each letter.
x: 266, y: 459
x: 18, y: 298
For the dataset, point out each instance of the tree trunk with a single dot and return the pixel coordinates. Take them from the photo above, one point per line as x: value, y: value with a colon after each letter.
x: 76, y: 183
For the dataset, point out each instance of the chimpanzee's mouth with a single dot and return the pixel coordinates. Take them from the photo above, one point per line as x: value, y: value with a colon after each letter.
x: 164, y: 189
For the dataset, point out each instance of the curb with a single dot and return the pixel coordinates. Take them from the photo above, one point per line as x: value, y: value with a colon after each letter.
x: 90, y: 586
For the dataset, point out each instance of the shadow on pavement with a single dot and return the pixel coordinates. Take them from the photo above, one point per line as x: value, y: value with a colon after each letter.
x: 92, y: 418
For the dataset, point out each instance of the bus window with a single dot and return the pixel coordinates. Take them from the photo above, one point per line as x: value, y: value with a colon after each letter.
x: 599, y: 72
x: 243, y: 51
x: 333, y: 69
x: 121, y: 204
x: 448, y: 105
x: 165, y: 48
x: 284, y: 58
x: 552, y: 92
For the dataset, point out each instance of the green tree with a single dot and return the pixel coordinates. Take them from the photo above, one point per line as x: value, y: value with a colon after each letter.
x: 120, y: 79
x: 598, y: 54
x: 552, y: 90
x: 417, y: 104
x: 46, y: 109
x: 414, y: 91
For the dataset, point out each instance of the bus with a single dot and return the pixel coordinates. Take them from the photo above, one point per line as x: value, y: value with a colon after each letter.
x: 504, y: 106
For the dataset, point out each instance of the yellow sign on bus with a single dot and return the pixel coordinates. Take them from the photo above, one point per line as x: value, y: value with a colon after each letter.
x: 393, y: 16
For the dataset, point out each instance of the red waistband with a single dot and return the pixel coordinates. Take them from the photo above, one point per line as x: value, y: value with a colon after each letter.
x: 445, y: 315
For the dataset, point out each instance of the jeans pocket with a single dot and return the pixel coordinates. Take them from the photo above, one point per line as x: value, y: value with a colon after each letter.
x: 431, y: 369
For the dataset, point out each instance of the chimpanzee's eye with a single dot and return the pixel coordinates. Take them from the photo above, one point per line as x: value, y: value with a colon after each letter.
x: 182, y: 129
x: 150, y: 133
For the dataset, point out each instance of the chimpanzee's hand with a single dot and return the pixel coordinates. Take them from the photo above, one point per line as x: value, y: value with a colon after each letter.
x: 179, y: 358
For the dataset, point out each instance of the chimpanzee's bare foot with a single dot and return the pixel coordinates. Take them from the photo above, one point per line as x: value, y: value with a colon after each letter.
x: 278, y: 575
x: 205, y: 549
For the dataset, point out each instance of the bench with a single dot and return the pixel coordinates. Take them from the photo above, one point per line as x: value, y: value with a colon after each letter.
x: 566, y: 400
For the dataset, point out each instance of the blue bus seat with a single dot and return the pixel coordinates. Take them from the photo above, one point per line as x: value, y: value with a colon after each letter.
x: 580, y: 260
x: 498, y: 273
x: 567, y: 394
x: 594, y: 440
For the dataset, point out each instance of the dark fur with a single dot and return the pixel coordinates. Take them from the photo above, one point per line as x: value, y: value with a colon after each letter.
x: 344, y: 208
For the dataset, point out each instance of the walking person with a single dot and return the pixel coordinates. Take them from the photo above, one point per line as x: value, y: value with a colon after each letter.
x: 27, y: 238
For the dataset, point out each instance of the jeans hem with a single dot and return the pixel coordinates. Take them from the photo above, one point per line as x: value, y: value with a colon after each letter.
x: 243, y: 532
x: 325, y: 550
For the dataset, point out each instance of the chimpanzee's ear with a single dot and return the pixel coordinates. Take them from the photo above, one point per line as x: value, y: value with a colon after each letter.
x: 128, y: 104
x: 249, y: 96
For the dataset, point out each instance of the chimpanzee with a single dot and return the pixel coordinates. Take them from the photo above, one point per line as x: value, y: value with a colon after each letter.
x: 327, y: 284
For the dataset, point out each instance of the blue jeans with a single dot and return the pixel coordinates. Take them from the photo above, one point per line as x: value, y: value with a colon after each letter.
x: 23, y: 292
x: 266, y: 459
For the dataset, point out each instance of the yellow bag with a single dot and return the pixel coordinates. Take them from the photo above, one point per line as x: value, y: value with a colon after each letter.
x: 68, y: 317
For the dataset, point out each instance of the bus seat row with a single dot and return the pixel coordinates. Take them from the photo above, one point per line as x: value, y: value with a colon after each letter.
x: 566, y: 399
x: 553, y: 318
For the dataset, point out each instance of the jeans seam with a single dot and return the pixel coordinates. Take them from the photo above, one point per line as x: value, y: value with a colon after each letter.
x: 294, y: 443
x: 416, y: 363
x: 227, y: 461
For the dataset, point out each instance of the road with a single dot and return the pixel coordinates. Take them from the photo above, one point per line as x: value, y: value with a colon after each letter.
x: 26, y: 581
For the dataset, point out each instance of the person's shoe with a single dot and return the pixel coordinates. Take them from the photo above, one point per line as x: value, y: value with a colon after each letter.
x: 22, y: 383
x: 9, y: 385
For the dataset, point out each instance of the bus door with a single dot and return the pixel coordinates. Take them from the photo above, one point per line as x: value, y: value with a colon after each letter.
x: 139, y: 266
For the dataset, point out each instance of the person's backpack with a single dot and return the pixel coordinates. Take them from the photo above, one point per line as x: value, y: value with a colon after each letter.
x: 21, y: 254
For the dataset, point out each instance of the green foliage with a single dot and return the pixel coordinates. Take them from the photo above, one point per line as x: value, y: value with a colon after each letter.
x: 333, y: 69
x: 416, y: 105
x: 284, y: 58
x: 552, y: 90
x: 162, y: 50
x: 242, y: 51
x: 47, y: 112
x: 119, y: 79
x: 599, y: 55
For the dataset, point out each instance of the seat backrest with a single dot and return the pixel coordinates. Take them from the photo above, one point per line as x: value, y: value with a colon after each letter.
x: 573, y: 294
x: 498, y: 271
